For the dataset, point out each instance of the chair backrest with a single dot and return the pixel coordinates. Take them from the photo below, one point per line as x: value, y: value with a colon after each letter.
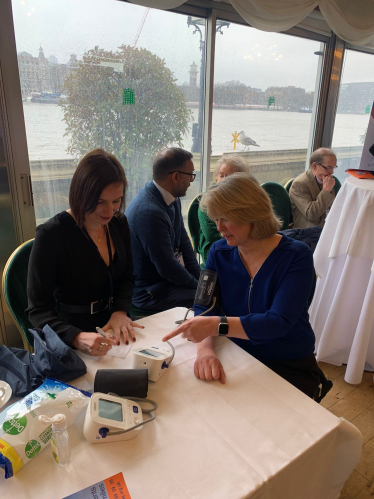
x: 193, y: 222
x: 14, y: 290
x: 281, y: 202
x: 288, y: 185
x: 337, y: 185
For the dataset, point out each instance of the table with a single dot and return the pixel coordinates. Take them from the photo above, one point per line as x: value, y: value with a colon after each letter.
x: 342, y: 311
x: 254, y: 437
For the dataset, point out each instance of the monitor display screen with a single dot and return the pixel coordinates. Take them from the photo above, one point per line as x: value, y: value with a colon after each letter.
x: 110, y: 410
x: 151, y: 353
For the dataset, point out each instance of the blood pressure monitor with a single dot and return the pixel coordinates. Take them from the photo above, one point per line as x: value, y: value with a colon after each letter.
x: 110, y: 418
x: 155, y: 359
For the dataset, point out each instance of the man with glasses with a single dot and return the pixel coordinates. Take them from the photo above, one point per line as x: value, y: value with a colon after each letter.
x: 165, y: 265
x: 312, y: 193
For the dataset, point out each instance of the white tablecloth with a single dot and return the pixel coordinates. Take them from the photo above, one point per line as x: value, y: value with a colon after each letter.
x: 254, y: 437
x: 342, y: 312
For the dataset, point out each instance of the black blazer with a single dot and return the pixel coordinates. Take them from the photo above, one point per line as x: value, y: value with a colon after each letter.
x: 65, y: 266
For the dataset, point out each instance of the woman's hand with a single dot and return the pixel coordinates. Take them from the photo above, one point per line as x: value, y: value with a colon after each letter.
x: 92, y: 344
x: 196, y: 329
x: 121, y: 323
x: 207, y: 366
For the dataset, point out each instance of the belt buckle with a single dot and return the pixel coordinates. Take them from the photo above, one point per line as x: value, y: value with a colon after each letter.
x: 92, y: 305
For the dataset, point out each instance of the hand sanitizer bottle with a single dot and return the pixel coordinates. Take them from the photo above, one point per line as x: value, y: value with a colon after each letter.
x: 59, y: 439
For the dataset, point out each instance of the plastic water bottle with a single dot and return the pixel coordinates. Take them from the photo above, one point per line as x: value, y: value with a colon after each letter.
x: 59, y: 439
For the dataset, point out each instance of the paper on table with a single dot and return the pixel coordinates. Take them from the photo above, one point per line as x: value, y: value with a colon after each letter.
x: 120, y: 351
x: 116, y: 351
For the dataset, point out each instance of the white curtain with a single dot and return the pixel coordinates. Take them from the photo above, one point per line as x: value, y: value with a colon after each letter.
x: 352, y: 20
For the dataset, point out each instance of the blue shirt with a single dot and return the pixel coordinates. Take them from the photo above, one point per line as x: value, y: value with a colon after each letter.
x: 274, y: 312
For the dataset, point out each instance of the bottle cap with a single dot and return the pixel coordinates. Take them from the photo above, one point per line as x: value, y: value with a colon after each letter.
x: 58, y: 421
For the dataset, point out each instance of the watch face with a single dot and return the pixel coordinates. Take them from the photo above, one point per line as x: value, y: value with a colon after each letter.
x: 223, y: 329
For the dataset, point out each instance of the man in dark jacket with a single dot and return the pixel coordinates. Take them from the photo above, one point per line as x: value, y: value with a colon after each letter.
x: 166, y: 269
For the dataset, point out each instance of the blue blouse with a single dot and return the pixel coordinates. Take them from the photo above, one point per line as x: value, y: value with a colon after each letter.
x: 273, y: 307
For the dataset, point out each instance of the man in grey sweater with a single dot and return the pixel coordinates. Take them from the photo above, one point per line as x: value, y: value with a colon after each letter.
x: 166, y: 269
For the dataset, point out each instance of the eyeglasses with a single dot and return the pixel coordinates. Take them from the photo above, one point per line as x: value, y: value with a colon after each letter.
x: 328, y: 168
x: 192, y: 175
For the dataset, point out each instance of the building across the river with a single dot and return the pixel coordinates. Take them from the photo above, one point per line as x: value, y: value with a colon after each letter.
x: 42, y: 75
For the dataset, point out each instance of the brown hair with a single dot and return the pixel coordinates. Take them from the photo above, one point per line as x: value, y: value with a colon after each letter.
x: 96, y: 170
x: 240, y: 199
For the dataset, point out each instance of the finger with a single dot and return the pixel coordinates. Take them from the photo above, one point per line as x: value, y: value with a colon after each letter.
x: 201, y: 371
x: 100, y: 351
x: 173, y: 333
x: 216, y: 373
x: 134, y: 324
x: 223, y: 374
x: 117, y: 335
x: 125, y: 335
x: 104, y: 346
x: 131, y: 333
x: 196, y: 370
x: 103, y: 341
x: 207, y: 371
x: 107, y: 328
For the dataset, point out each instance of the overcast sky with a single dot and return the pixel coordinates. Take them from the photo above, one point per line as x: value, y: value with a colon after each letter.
x: 256, y: 58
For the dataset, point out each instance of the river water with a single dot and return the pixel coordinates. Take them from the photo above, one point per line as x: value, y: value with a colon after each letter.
x: 272, y: 130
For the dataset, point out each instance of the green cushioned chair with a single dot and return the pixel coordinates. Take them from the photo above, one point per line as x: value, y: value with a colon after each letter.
x: 288, y: 184
x: 193, y: 222
x: 337, y: 185
x: 14, y: 290
x: 281, y: 202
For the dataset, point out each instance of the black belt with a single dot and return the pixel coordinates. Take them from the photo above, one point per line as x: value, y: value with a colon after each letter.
x: 92, y: 308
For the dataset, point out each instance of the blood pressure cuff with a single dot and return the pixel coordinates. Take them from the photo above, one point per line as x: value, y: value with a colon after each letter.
x: 207, y: 289
x: 122, y: 382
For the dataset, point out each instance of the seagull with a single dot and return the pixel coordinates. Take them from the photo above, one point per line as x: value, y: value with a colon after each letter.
x: 246, y: 141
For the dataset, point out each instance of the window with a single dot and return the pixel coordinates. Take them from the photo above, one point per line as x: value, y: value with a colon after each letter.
x: 265, y: 86
x: 356, y: 96
x: 117, y: 76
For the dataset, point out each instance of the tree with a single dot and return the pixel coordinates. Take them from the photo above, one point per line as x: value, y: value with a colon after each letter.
x: 95, y: 115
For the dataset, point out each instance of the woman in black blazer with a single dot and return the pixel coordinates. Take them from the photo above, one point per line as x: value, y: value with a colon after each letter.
x: 80, y: 271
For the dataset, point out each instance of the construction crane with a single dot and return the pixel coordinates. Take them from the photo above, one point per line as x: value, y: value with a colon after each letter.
x: 141, y: 27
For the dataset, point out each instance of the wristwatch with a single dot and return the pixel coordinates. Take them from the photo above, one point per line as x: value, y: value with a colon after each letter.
x: 223, y: 327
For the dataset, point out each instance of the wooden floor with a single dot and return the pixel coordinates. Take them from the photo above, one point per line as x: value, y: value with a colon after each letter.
x: 355, y: 403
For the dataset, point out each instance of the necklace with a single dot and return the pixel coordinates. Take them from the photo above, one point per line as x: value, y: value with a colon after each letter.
x: 98, y: 237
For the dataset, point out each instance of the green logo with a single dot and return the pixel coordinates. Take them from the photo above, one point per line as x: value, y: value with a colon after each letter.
x: 32, y: 448
x: 15, y: 426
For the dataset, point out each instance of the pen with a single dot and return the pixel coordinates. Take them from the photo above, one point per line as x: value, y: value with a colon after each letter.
x: 100, y: 331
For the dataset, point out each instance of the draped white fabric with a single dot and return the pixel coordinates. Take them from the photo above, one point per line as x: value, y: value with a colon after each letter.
x: 342, y: 312
x: 352, y: 20
x: 273, y: 15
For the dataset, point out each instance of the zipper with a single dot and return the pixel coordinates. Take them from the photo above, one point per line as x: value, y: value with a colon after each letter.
x: 252, y: 279
x: 249, y: 296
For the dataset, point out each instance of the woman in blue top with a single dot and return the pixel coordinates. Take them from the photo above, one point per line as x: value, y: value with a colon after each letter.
x: 265, y: 280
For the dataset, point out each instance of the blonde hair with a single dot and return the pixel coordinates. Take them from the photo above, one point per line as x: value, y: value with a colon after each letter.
x: 240, y: 199
x: 234, y: 160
